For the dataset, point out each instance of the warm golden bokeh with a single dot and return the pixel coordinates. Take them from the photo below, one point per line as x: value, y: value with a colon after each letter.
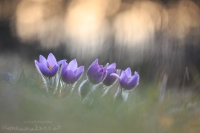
x: 184, y: 19
x: 40, y: 20
x: 98, y: 26
x: 29, y: 18
x: 87, y: 25
x: 138, y: 24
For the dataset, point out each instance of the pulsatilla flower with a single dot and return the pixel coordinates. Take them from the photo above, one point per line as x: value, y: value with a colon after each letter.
x: 48, y: 67
x: 109, y: 80
x: 126, y: 80
x: 96, y: 73
x: 70, y: 73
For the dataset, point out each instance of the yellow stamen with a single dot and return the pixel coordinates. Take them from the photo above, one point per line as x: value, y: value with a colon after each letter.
x: 50, y: 67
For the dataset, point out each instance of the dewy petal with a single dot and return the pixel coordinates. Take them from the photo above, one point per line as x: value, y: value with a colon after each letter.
x: 68, y: 77
x: 72, y: 65
x: 42, y: 60
x: 113, y: 65
x: 61, y: 61
x: 128, y: 72
x: 51, y: 60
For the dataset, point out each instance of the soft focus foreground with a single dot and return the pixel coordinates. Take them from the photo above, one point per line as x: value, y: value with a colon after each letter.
x: 24, y: 103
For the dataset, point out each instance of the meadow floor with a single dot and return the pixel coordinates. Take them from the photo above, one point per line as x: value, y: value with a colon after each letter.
x: 26, y: 105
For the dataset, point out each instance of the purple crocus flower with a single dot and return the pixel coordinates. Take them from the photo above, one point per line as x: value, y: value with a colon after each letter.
x: 48, y: 67
x: 109, y: 80
x: 70, y: 73
x: 96, y: 73
x: 126, y: 80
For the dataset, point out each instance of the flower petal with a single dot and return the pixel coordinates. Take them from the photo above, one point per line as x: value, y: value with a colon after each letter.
x: 123, y: 79
x: 79, y: 70
x: 96, y: 78
x: 93, y: 63
x: 46, y: 71
x: 42, y: 60
x: 115, y: 75
x: 72, y: 65
x: 96, y: 73
x: 123, y: 75
x: 64, y: 67
x: 113, y: 65
x: 134, y: 81
x: 43, y: 68
x: 92, y: 70
x: 109, y: 79
x: 54, y: 70
x: 61, y: 61
x: 51, y: 60
x: 68, y: 77
x: 128, y: 72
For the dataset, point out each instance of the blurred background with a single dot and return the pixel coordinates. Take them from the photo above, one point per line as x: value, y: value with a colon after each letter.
x: 160, y: 39
x: 151, y: 36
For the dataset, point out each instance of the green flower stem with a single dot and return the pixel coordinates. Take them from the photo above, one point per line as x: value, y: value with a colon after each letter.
x: 43, y: 78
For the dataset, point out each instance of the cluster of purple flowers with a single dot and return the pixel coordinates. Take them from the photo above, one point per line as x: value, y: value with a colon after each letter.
x: 61, y: 72
x: 108, y: 74
x: 70, y: 73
